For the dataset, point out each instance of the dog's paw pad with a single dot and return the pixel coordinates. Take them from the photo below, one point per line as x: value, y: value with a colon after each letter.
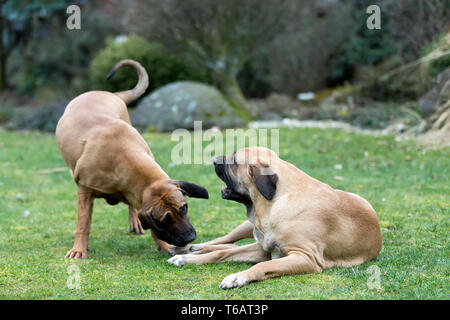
x: 233, y: 281
x: 177, y: 260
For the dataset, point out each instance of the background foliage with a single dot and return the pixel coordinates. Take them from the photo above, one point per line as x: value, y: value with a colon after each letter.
x: 248, y: 51
x: 163, y: 67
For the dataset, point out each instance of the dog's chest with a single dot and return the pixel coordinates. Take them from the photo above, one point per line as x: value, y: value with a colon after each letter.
x: 266, y: 238
x: 267, y: 241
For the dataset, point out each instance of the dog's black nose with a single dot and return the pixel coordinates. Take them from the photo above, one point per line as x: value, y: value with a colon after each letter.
x: 191, y: 236
x: 219, y: 160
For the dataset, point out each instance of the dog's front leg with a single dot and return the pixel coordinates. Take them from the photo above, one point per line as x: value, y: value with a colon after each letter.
x: 291, y: 264
x: 251, y: 253
x: 135, y: 224
x: 201, y: 248
x: 85, y: 206
x: 243, y: 231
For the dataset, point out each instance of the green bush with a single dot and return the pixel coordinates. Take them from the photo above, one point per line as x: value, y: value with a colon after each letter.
x: 54, y: 58
x: 162, y: 66
x: 442, y: 44
x: 254, y: 78
x: 6, y: 110
x: 439, y: 65
x: 363, y: 47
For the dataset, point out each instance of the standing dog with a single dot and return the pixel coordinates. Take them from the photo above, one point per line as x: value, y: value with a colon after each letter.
x: 301, y: 225
x: 109, y: 159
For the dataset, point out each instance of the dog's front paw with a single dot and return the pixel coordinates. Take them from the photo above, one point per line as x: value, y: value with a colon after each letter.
x: 179, y: 250
x: 163, y: 246
x: 190, y: 248
x: 234, y: 280
x: 135, y: 226
x: 75, y: 253
x: 177, y: 260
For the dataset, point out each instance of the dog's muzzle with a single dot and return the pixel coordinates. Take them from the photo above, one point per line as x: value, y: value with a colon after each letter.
x: 226, y: 193
x: 219, y: 167
x: 229, y: 192
x: 180, y: 238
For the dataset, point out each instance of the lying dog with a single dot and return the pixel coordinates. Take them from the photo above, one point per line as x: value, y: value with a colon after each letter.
x: 109, y: 159
x: 301, y: 225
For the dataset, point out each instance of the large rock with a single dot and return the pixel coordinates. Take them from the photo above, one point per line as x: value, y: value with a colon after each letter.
x: 438, y: 133
x: 44, y: 118
x: 437, y: 96
x: 179, y: 104
x: 279, y: 106
x: 429, y: 102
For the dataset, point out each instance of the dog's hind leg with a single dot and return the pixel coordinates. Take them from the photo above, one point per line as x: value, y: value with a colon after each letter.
x: 85, y: 207
x: 135, y: 224
x: 291, y: 264
x: 243, y: 231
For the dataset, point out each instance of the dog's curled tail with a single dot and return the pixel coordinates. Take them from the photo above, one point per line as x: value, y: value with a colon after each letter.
x: 129, y: 95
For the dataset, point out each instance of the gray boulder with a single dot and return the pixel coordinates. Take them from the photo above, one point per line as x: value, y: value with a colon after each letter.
x: 44, y: 118
x: 179, y: 104
x: 428, y: 103
x: 437, y: 96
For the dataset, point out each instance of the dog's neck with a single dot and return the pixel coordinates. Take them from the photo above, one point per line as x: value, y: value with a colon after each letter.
x: 259, y: 204
x: 147, y: 173
x: 141, y: 194
x: 250, y: 212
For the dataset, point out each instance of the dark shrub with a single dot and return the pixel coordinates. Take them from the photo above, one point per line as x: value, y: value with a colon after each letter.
x: 162, y: 67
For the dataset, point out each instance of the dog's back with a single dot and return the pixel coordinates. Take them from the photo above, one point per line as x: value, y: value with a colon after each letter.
x: 84, y: 115
x: 94, y: 110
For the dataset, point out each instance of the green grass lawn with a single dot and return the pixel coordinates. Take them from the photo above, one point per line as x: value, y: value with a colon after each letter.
x: 408, y: 187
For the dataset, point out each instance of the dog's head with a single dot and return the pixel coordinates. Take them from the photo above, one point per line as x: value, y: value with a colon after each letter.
x: 246, y: 172
x: 165, y: 210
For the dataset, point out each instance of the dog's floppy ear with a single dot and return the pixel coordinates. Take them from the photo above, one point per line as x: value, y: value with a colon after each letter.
x: 265, y: 180
x: 191, y: 189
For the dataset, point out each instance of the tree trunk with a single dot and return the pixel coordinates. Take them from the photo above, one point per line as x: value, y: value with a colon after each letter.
x: 230, y: 88
x: 2, y: 65
x: 3, y: 80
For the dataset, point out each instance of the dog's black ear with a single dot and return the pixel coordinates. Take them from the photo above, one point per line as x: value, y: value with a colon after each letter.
x: 265, y: 180
x: 191, y: 189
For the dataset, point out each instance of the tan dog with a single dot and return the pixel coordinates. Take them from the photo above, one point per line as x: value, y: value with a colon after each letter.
x: 301, y: 224
x: 110, y: 159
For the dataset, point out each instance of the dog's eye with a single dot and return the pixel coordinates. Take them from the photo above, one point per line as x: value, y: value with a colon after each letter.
x: 167, y: 219
x: 183, y: 210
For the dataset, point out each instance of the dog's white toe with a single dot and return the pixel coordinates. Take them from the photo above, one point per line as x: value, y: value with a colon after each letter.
x: 177, y: 260
x: 233, y: 281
